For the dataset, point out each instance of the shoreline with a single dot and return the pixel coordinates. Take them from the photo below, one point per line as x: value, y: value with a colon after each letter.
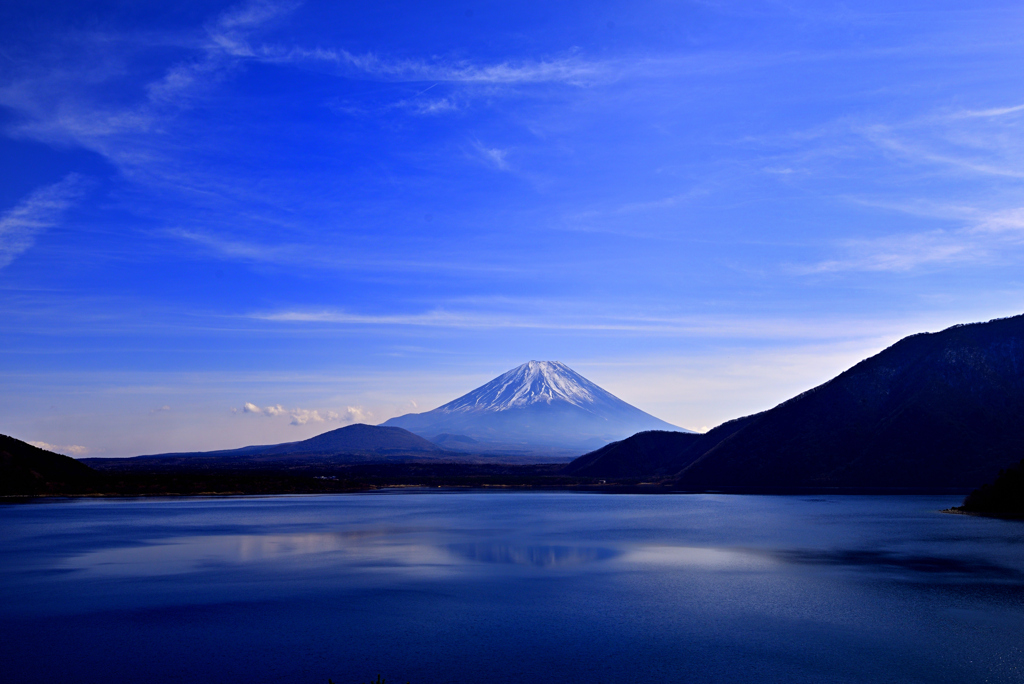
x: 957, y: 510
x: 428, y: 488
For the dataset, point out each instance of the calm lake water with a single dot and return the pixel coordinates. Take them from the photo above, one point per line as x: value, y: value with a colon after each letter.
x: 428, y: 587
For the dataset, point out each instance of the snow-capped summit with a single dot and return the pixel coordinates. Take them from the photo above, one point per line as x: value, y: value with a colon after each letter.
x: 531, y: 383
x: 540, y: 404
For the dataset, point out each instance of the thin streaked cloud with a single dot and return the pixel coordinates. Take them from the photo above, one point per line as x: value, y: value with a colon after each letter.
x: 994, y: 111
x: 40, y: 211
x: 326, y: 257
x: 901, y: 254
x: 571, y: 70
x: 706, y: 326
x: 494, y: 157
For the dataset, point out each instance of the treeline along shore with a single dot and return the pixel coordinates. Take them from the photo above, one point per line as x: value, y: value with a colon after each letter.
x: 28, y: 472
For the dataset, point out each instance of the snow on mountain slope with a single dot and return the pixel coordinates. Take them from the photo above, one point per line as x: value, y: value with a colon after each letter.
x: 531, y: 383
x: 537, y: 404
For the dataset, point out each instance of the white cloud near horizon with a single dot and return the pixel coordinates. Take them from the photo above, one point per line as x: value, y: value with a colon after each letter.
x: 66, y: 450
x: 301, y: 416
x: 38, y: 212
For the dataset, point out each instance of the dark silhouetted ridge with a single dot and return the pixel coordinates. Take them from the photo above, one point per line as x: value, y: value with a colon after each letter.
x: 358, y: 438
x: 933, y: 410
x: 1003, y: 498
x: 351, y: 439
x: 25, y: 469
x: 650, y: 454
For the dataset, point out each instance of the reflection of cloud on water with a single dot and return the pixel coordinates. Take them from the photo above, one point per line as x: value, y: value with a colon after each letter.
x: 253, y: 548
x: 698, y: 557
x: 710, y: 558
x: 420, y: 553
x: 539, y: 556
x: 186, y: 554
x: 190, y: 554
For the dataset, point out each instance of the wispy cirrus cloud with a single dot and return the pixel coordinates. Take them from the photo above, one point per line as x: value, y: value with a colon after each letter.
x: 430, y: 106
x: 569, y: 69
x: 226, y: 44
x: 416, y: 105
x: 975, y: 154
x: 247, y: 251
x: 707, y: 326
x: 959, y: 153
x: 60, y: 100
x: 36, y: 213
x: 983, y: 142
x: 322, y: 256
x: 494, y: 157
x: 900, y: 253
x: 619, y: 219
x: 986, y: 113
x: 986, y: 237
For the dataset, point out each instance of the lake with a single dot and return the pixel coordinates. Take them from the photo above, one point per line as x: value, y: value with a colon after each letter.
x: 426, y: 587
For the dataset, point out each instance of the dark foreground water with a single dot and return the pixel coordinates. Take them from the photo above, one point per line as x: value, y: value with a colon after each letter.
x: 509, y: 587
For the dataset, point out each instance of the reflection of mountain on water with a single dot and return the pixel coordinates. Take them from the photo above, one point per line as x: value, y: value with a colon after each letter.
x: 537, y: 556
x: 917, y: 563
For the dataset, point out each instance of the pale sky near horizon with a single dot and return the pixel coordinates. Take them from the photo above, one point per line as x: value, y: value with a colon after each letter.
x: 342, y: 212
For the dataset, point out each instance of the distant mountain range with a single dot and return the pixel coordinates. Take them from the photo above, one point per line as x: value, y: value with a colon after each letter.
x: 352, y: 439
x: 350, y: 444
x: 539, y: 405
x: 934, y: 410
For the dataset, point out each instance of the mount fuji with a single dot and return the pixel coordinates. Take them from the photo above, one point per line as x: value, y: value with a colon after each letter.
x: 539, y: 405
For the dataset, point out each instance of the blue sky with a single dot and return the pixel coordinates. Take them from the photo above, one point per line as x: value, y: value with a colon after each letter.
x: 339, y: 212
